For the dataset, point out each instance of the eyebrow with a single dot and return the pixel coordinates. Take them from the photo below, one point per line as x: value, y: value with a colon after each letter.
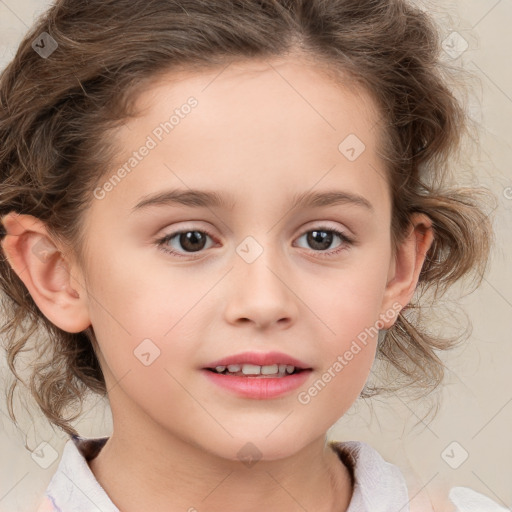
x: 213, y: 199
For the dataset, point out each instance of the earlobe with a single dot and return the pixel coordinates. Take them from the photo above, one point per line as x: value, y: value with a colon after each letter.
x: 407, y: 265
x: 40, y: 264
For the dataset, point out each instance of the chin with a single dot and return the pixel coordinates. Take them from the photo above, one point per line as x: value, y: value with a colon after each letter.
x: 251, y: 449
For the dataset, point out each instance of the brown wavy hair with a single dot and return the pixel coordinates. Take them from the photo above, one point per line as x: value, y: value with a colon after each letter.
x: 57, y: 113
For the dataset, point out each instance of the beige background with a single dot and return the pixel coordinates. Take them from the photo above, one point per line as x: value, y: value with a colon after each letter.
x: 476, y: 402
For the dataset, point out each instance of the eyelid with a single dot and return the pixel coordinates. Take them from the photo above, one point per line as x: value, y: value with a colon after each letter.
x: 311, y: 226
x: 327, y: 224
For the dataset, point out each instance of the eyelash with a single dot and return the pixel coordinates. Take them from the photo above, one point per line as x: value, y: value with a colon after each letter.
x: 347, y: 241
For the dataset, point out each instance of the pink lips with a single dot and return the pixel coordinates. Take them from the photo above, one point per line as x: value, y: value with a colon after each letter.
x: 259, y: 358
x: 257, y: 387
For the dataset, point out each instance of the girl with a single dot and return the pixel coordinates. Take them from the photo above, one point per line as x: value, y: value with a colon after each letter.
x: 301, y: 145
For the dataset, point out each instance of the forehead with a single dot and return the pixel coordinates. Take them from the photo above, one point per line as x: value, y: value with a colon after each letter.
x: 284, y: 87
x: 281, y: 123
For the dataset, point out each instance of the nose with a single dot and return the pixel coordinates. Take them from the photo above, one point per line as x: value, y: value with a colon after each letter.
x: 261, y: 292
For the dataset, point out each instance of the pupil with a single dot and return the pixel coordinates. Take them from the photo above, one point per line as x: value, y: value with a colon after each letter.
x: 189, y: 240
x: 318, y: 239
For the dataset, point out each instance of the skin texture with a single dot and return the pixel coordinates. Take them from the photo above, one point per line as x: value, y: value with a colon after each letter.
x: 262, y: 131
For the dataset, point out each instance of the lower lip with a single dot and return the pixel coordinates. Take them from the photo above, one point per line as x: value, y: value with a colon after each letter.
x: 258, y: 388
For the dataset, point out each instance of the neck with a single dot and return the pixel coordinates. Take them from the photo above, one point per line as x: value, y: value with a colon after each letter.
x: 139, y: 472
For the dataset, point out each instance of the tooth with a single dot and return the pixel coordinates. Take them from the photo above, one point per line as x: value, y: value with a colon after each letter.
x: 220, y: 369
x: 269, y: 370
x: 282, y: 369
x: 233, y: 368
x: 250, y: 369
x: 289, y: 369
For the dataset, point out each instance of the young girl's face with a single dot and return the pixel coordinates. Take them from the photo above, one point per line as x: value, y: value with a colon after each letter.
x: 256, y: 273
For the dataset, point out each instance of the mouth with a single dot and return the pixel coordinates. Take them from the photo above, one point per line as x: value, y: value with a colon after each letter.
x: 258, y: 365
x: 256, y: 371
x: 258, y: 376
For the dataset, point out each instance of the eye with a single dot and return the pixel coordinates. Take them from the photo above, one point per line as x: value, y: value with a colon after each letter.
x: 194, y: 241
x: 321, y: 239
x: 191, y: 240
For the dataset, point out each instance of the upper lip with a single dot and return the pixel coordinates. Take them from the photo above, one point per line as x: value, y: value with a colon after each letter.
x: 260, y: 359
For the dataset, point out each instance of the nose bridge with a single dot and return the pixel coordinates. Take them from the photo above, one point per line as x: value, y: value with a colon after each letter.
x: 259, y: 263
x: 259, y: 288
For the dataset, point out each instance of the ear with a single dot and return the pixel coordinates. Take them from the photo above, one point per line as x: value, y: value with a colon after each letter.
x: 405, y: 268
x: 40, y: 263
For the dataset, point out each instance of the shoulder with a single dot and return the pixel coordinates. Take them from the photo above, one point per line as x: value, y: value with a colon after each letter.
x: 73, y: 487
x: 466, y: 499
x: 46, y: 505
x: 380, y: 486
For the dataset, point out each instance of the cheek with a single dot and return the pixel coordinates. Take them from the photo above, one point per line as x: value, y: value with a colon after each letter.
x: 140, y: 316
x: 135, y: 298
x: 348, y: 354
x: 349, y: 300
x: 349, y: 306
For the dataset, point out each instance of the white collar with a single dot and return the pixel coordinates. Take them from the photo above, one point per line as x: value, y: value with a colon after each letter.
x: 379, y: 486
